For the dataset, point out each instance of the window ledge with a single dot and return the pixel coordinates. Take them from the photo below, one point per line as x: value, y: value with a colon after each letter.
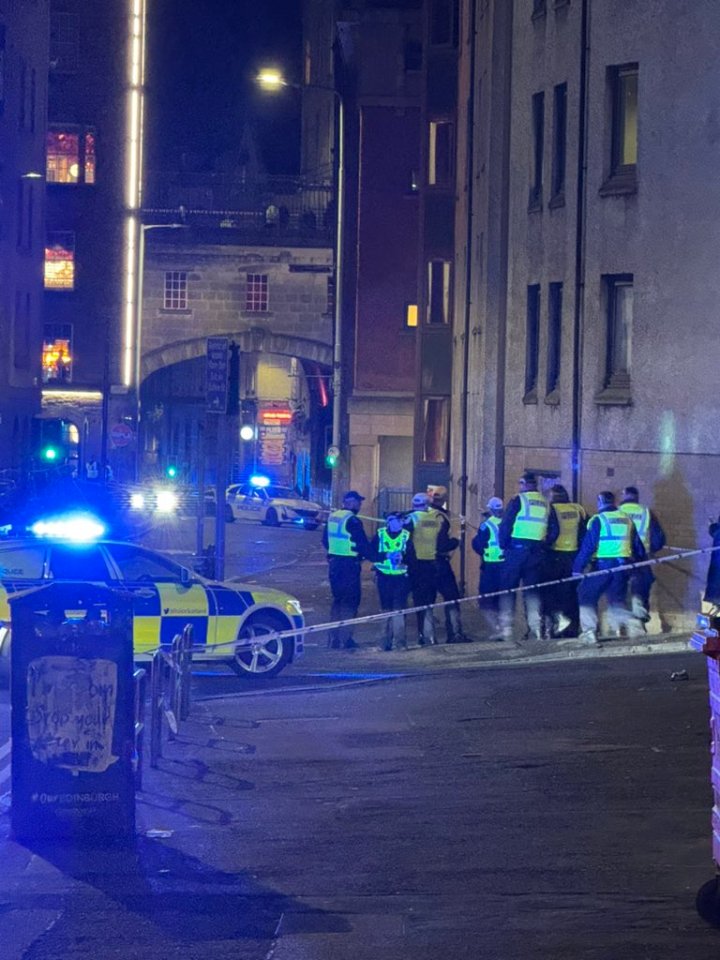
x: 552, y: 399
x: 619, y: 184
x: 535, y: 205
x: 554, y: 203
x: 530, y: 397
x: 614, y: 395
x: 168, y: 311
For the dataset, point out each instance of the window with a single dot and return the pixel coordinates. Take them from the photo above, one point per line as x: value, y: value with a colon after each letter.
x: 21, y: 331
x: 411, y: 316
x: 22, y: 563
x: 78, y: 563
x: 559, y: 144
x: 555, y: 299
x: 331, y: 295
x: 70, y: 156
x: 412, y: 52
x: 136, y: 564
x: 538, y: 146
x: 532, y: 342
x: 256, y: 293
x: 60, y: 261
x: 57, y: 353
x: 441, y: 22
x: 438, y: 302
x: 436, y: 430
x: 175, y: 297
x: 624, y: 82
x: 25, y: 213
x: 64, y: 41
x: 33, y: 98
x: 22, y: 96
x: 618, y: 292
x: 440, y: 153
x: 538, y: 8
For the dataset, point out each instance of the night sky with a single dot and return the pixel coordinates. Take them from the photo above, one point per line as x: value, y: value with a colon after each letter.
x: 202, y: 57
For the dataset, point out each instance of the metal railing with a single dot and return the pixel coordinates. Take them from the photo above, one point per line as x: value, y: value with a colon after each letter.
x: 139, y: 702
x: 169, y: 691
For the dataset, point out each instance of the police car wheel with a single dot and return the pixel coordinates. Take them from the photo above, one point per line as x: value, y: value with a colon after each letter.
x: 229, y: 515
x: 271, y: 518
x: 262, y: 658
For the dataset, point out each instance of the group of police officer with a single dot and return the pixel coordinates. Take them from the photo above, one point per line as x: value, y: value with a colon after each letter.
x: 538, y: 540
x: 533, y: 540
x: 410, y: 554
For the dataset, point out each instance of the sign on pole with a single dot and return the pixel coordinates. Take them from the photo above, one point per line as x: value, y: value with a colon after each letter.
x: 216, y: 374
x: 121, y: 434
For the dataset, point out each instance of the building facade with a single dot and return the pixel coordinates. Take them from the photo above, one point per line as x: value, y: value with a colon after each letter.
x: 24, y: 38
x: 589, y: 290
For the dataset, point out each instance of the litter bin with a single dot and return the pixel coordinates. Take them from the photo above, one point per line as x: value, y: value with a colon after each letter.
x: 706, y: 639
x: 71, y: 691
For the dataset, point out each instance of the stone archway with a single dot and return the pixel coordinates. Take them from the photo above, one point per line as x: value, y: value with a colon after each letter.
x: 254, y: 340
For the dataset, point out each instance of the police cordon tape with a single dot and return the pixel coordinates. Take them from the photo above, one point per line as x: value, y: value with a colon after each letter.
x: 389, y: 614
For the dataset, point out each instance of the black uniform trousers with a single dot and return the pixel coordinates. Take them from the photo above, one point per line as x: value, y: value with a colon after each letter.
x: 423, y: 583
x: 492, y: 578
x: 393, y: 590
x: 449, y: 590
x: 615, y: 585
x: 524, y: 563
x: 344, y: 576
x: 562, y: 598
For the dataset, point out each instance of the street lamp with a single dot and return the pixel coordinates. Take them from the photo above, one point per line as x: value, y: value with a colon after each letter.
x: 272, y: 79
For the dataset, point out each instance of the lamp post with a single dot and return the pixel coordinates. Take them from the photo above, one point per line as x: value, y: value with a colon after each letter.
x: 273, y: 80
x: 142, y: 230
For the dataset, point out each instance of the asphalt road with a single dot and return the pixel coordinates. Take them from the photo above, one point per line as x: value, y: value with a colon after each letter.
x: 547, y: 812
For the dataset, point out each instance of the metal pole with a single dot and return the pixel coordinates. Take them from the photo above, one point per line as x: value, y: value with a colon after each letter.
x: 138, y: 341
x: 338, y: 317
x: 221, y: 482
x: 200, y: 519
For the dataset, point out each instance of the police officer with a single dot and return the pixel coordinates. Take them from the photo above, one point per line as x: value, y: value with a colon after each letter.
x: 560, y: 601
x: 446, y: 583
x: 610, y: 541
x: 523, y: 530
x: 391, y: 548
x: 653, y: 539
x: 424, y: 526
x: 486, y: 543
x: 347, y: 545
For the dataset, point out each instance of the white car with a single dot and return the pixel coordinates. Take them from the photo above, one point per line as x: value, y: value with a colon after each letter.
x: 272, y: 505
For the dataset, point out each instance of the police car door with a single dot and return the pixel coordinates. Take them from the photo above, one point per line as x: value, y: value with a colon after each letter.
x: 164, y: 602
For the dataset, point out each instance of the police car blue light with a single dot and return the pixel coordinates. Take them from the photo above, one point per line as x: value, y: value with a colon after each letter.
x: 260, y: 481
x: 74, y: 527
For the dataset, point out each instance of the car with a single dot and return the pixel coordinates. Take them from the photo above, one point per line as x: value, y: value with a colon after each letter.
x: 165, y: 595
x: 272, y: 504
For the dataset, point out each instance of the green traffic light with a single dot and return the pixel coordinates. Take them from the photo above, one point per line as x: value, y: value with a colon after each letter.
x: 331, y: 461
x: 171, y: 472
x: 50, y: 453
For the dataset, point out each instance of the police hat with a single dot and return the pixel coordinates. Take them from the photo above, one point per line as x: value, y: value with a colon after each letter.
x: 352, y: 495
x: 420, y: 500
x: 494, y: 503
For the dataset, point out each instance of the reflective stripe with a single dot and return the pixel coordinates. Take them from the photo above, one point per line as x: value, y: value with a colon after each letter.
x: 492, y: 552
x: 340, y: 543
x: 426, y: 527
x: 392, y: 545
x: 532, y: 519
x: 569, y: 516
x: 616, y: 536
x: 640, y: 516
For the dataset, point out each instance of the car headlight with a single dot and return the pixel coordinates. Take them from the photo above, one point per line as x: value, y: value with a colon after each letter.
x: 292, y: 606
x: 166, y: 501
x: 137, y: 501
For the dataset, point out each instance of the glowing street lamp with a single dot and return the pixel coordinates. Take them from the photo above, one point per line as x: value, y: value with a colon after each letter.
x: 272, y: 79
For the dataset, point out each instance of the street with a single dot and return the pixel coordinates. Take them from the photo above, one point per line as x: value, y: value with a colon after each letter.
x: 551, y: 811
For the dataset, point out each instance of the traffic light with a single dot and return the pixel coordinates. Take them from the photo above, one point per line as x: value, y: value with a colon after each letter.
x: 171, y: 471
x: 51, y: 454
x: 248, y: 418
x: 332, y: 458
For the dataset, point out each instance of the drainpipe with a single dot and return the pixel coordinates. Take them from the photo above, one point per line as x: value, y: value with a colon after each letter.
x: 580, y: 248
x: 470, y: 173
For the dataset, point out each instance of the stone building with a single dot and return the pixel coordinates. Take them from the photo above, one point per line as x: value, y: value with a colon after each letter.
x: 586, y: 294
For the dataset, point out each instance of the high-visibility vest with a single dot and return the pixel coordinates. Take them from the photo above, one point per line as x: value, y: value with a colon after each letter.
x: 640, y: 516
x: 532, y: 519
x: 569, y: 516
x: 492, y: 552
x: 616, y: 535
x: 340, y: 543
x: 426, y: 528
x: 392, y: 545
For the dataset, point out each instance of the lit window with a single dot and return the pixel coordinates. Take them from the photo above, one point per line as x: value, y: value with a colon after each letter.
x: 256, y: 294
x: 436, y: 430
x: 440, y: 153
x: 411, y: 315
x: 438, y: 302
x: 60, y: 261
x: 624, y: 84
x: 57, y: 353
x: 619, y: 319
x: 175, y: 290
x: 70, y: 156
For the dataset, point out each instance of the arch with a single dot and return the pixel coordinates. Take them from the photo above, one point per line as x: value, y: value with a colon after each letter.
x: 255, y: 340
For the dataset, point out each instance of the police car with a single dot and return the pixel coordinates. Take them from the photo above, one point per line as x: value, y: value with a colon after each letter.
x: 272, y: 504
x: 231, y: 622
